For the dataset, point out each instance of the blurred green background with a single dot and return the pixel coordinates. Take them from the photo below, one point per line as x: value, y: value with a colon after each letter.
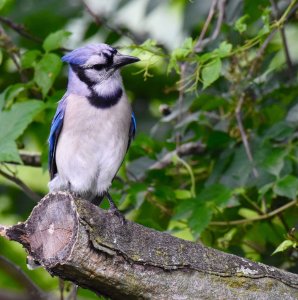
x: 218, y: 99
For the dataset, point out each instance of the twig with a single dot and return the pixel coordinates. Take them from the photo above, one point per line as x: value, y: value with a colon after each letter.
x: 20, y: 29
x: 12, y: 51
x: 221, y: 13
x: 259, y: 218
x: 101, y: 21
x: 180, y: 100
x: 28, y: 159
x: 14, y: 271
x: 206, y: 25
x: 275, y: 11
x: 260, y: 53
x: 31, y: 159
x: 183, y: 150
x: 73, y: 293
x: 22, y: 185
x: 243, y: 134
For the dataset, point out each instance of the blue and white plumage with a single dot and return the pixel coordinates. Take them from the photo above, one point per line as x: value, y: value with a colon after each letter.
x: 93, y: 125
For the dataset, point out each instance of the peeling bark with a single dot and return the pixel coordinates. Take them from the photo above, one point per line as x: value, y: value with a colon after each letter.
x: 77, y: 241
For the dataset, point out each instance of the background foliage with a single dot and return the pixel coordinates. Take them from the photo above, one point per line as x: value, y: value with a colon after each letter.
x: 216, y: 101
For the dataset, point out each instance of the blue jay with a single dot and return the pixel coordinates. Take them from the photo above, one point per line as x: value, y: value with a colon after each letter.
x: 93, y: 125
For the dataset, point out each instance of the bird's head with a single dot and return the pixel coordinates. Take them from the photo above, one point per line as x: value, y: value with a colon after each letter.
x: 95, y: 63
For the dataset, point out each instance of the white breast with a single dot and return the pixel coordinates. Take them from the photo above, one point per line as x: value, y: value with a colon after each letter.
x: 92, y: 144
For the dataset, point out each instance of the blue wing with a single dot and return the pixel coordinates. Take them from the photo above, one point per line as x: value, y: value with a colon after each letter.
x: 56, y: 128
x: 132, y: 129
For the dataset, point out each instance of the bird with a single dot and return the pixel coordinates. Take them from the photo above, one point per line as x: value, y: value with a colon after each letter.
x: 93, y: 125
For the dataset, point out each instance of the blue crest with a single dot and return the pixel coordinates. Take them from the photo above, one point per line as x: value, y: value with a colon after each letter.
x: 80, y: 55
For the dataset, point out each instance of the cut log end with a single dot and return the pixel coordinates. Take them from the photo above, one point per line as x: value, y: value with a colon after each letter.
x: 50, y: 231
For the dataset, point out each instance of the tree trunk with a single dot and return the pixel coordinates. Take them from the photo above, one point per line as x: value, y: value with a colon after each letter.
x: 77, y: 241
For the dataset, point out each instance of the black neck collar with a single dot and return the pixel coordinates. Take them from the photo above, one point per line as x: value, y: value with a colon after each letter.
x: 105, y: 101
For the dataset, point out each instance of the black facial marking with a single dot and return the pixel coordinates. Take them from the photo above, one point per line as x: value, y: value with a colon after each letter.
x: 109, y: 57
x: 82, y: 76
x: 98, y: 67
x: 105, y: 101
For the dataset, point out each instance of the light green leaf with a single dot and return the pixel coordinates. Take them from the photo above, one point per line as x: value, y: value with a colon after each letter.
x: 200, y: 218
x: 46, y: 71
x: 284, y: 246
x: 29, y: 58
x: 247, y: 213
x: 182, y: 194
x: 54, y: 40
x: 211, y: 72
x: 266, y: 21
x: 287, y: 187
x: 2, y: 3
x: 12, y: 124
x: 240, y: 24
x: 224, y: 49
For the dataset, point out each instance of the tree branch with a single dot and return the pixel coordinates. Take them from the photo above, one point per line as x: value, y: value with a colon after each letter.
x: 31, y: 194
x: 14, y: 271
x: 275, y: 11
x: 183, y: 150
x: 259, y: 218
x: 244, y: 136
x: 77, y: 241
x: 202, y: 42
x: 20, y: 29
x: 31, y: 159
x: 100, y: 20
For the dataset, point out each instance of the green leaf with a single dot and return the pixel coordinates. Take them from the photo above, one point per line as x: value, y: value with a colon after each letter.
x: 9, y: 152
x: 10, y: 93
x: 211, y: 72
x: 12, y: 124
x: 184, y: 209
x: 224, y: 49
x: 265, y: 188
x: 284, y: 246
x: 2, y: 3
x: 46, y: 71
x: 287, y: 187
x: 274, y: 161
x: 218, y: 194
x: 292, y: 116
x: 200, y: 219
x: 240, y: 24
x: 55, y: 40
x: 180, y: 54
x: 29, y: 58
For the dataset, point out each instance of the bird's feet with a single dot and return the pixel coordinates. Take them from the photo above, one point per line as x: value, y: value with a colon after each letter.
x: 114, y: 210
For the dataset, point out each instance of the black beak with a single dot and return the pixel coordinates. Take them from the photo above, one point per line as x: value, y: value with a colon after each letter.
x: 121, y: 60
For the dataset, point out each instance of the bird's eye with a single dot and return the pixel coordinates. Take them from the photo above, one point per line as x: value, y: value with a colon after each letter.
x: 98, y: 67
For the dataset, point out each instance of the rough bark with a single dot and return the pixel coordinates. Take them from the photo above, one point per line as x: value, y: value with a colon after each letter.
x: 77, y: 241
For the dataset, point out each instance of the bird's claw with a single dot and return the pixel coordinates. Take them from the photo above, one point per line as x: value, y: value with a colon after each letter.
x: 114, y: 210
